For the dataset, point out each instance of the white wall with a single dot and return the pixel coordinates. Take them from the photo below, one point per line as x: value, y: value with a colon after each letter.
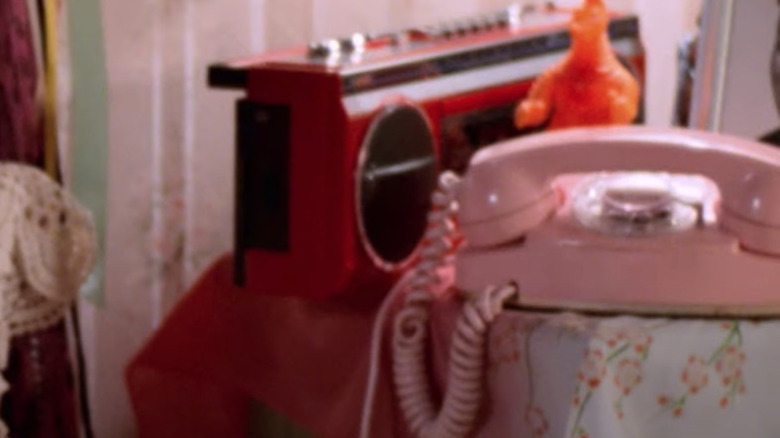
x: 171, y: 151
x: 664, y: 23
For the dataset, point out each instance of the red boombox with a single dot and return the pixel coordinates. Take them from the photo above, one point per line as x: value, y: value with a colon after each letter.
x: 339, y: 144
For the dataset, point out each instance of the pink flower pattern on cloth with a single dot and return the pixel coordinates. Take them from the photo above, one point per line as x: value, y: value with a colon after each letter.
x: 628, y: 374
x: 639, y: 338
x: 593, y: 368
x: 695, y: 375
x: 729, y: 366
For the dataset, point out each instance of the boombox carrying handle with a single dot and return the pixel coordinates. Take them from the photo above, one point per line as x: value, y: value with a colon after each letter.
x: 507, y: 190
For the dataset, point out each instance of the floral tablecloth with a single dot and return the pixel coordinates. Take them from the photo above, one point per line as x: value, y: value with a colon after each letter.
x: 570, y: 376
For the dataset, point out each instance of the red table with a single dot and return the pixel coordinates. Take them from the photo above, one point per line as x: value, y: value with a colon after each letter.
x: 224, y: 346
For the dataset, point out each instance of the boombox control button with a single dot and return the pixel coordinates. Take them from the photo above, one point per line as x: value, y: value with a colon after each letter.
x: 355, y: 43
x: 422, y: 34
x: 486, y: 23
x: 462, y: 28
x: 502, y: 20
x: 476, y: 25
x: 446, y: 31
x: 324, y: 49
x: 467, y: 27
x: 513, y: 15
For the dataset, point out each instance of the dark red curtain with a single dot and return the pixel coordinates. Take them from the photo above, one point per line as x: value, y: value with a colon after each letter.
x: 20, y: 119
x: 41, y: 402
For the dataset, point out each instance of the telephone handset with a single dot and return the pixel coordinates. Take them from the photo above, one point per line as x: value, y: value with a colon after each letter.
x: 507, y: 189
x: 533, y: 240
x: 519, y: 228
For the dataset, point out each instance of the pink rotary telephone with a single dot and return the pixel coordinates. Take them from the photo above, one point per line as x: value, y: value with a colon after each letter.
x: 697, y: 231
x: 618, y: 220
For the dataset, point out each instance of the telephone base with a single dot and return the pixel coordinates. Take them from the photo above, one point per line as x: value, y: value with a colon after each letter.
x: 704, y: 273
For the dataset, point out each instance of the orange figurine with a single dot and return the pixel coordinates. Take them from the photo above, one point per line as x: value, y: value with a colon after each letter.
x: 589, y: 86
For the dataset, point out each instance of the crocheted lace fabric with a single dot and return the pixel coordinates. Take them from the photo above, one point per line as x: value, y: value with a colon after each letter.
x: 47, y: 249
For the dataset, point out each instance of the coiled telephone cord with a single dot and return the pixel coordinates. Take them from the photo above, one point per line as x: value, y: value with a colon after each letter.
x: 410, y: 331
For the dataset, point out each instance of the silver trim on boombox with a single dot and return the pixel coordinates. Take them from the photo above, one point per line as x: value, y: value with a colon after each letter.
x: 464, y: 82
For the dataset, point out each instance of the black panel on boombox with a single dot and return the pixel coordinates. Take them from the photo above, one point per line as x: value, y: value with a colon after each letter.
x: 263, y: 172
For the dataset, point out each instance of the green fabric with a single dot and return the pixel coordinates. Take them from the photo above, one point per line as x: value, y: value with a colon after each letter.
x: 89, y: 118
